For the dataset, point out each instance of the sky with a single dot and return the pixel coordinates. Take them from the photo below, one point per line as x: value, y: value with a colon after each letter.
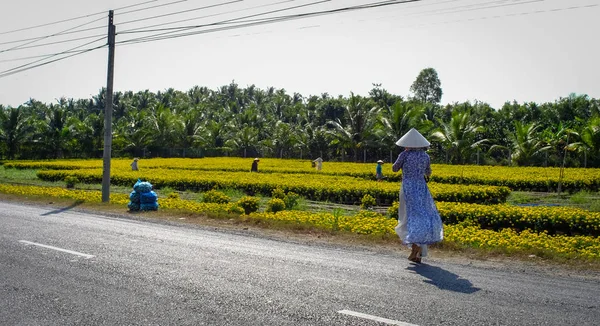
x: 485, y: 50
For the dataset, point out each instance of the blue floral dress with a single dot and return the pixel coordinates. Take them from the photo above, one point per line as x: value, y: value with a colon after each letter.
x: 418, y: 219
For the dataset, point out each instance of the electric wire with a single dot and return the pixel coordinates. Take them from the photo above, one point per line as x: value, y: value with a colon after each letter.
x: 2, y: 75
x: 182, y: 28
x: 161, y: 36
x: 51, y: 56
x: 207, y: 16
x: 48, y: 36
x: 72, y: 19
x: 181, y: 12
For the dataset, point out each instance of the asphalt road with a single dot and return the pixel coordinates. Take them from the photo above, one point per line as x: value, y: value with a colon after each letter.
x: 119, y: 271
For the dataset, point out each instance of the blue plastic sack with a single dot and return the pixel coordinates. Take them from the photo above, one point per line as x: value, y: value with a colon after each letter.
x: 149, y: 207
x: 133, y: 206
x: 142, y: 187
x: 148, y: 197
x: 134, y: 197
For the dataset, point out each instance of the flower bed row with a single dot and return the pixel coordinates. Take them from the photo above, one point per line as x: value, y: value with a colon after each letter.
x: 338, y: 189
x: 370, y: 223
x: 516, y: 178
x: 553, y: 220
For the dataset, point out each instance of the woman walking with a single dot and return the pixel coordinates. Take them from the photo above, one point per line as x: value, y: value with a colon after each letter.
x: 419, y: 223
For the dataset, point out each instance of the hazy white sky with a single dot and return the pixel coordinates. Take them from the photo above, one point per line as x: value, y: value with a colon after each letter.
x: 493, y: 51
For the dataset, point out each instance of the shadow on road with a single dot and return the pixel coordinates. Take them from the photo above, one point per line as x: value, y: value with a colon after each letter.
x: 60, y: 210
x: 444, y: 279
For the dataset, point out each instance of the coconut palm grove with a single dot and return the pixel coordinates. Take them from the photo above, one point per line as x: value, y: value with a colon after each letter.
x: 249, y: 122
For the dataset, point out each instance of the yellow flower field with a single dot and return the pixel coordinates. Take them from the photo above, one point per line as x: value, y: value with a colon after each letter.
x: 516, y: 178
x: 339, y: 189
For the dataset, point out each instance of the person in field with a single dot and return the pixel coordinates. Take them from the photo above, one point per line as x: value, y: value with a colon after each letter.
x: 318, y: 163
x: 419, y: 222
x: 254, y: 167
x: 134, y: 166
x: 378, y: 171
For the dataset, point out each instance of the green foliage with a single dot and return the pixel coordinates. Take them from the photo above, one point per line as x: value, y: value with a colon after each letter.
x: 276, y: 123
x: 278, y: 193
x: 249, y: 204
x: 71, y: 181
x: 582, y: 197
x: 275, y: 205
x: 427, y: 87
x: 595, y: 206
x: 235, y: 209
x: 214, y: 196
x: 367, y: 202
x: 368, y: 214
x: 291, y: 200
x: 392, y: 211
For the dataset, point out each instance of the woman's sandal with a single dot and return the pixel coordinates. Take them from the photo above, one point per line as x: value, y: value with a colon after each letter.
x: 415, y: 255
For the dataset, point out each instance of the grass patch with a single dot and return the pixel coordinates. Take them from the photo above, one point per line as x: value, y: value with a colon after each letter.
x: 582, y: 197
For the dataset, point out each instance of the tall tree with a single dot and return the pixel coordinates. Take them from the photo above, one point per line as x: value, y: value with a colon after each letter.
x: 15, y: 129
x: 427, y: 87
x: 459, y: 135
x: 355, y: 133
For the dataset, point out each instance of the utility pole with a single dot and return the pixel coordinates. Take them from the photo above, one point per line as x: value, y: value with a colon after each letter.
x: 108, y: 109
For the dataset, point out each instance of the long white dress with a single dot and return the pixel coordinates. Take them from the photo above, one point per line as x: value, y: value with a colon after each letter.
x: 418, y: 219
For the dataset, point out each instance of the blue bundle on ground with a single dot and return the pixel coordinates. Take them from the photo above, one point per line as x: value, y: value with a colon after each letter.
x: 142, y: 187
x: 148, y: 197
x: 142, y: 197
x: 149, y: 207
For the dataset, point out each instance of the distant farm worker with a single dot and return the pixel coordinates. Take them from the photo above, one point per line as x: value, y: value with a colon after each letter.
x: 134, y: 166
x: 255, y: 165
x: 419, y: 222
x: 318, y: 163
x: 378, y: 172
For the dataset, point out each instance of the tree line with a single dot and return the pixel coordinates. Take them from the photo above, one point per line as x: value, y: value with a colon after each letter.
x: 248, y: 122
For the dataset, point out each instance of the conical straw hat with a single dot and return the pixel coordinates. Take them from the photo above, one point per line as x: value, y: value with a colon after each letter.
x: 413, y: 138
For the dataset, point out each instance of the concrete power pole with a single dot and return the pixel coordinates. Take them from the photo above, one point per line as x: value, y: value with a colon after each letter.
x: 108, y: 109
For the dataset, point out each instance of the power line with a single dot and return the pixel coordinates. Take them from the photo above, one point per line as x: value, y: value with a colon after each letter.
x: 180, y: 12
x: 72, y: 19
x: 157, y: 6
x: 182, y: 28
x: 38, y: 56
x: 47, y: 36
x: 161, y: 36
x: 207, y: 16
x: 49, y: 62
x: 70, y: 30
x: 57, y: 42
x: 66, y: 33
x: 417, y: 13
x: 49, y: 56
x: 444, y: 11
x: 526, y: 13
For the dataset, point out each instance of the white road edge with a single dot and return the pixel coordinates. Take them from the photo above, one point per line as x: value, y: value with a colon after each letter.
x: 375, y: 318
x: 86, y: 256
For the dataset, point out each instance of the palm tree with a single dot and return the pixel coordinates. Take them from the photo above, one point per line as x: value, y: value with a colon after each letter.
x: 132, y: 133
x: 15, y: 129
x: 358, y: 130
x: 213, y: 135
x: 244, y: 139
x: 589, y: 140
x: 398, y: 119
x: 162, y: 122
x: 458, y: 136
x: 526, y: 143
